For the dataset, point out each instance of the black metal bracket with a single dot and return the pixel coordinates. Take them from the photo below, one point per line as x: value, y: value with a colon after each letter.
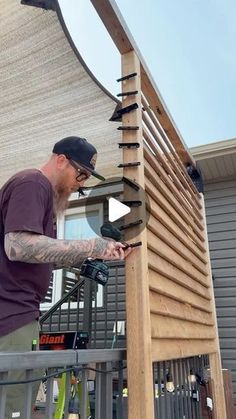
x: 132, y: 245
x: 132, y: 203
x: 133, y: 224
x: 195, y: 174
x: 43, y: 4
x: 81, y: 192
x: 125, y: 110
x: 131, y: 183
x: 129, y: 76
x: 127, y: 93
x: 125, y: 128
x: 129, y: 145
x: 131, y: 164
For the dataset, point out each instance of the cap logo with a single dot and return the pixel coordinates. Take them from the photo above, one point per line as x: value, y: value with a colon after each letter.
x: 93, y: 160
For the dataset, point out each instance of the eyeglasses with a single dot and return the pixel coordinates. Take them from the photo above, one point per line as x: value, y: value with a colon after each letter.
x: 82, y: 175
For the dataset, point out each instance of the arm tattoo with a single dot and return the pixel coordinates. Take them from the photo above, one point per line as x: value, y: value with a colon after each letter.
x: 35, y: 248
x: 99, y: 248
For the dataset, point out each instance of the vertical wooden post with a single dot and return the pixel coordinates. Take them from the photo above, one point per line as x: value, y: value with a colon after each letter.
x: 140, y: 374
x: 214, y: 358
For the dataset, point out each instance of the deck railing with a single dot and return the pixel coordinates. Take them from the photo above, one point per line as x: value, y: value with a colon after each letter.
x: 180, y: 386
x: 108, y: 366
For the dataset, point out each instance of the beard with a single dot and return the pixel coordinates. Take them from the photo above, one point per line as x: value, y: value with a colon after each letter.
x: 60, y: 200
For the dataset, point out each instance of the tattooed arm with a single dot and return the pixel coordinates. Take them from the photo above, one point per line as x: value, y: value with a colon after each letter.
x: 34, y: 248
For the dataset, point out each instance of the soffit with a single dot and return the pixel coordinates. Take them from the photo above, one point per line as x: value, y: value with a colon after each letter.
x: 216, y: 160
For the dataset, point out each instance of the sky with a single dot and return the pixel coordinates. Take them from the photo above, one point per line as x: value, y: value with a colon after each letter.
x: 189, y: 47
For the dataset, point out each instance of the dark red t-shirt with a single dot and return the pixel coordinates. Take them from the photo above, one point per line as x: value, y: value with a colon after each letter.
x: 26, y: 204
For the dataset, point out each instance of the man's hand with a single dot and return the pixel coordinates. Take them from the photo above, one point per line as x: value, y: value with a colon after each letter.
x: 109, y: 249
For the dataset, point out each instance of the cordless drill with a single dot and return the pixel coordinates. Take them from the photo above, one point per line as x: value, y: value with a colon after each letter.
x: 96, y: 269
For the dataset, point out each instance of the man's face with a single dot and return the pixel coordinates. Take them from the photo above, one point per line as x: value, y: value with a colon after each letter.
x: 70, y: 178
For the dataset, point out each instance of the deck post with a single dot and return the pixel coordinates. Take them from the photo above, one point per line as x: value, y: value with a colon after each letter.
x: 139, y: 361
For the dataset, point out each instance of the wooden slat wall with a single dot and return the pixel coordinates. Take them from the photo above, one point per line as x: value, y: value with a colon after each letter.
x: 170, y: 301
x: 182, y: 306
x: 180, y: 301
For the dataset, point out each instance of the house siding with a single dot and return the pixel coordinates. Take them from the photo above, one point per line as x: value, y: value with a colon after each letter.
x: 220, y: 201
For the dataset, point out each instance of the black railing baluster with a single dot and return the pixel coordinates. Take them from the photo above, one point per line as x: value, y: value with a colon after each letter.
x: 3, y: 393
x: 176, y: 408
x: 160, y: 396
x: 95, y: 315
x: 181, y: 394
x: 68, y: 314
x: 105, y: 319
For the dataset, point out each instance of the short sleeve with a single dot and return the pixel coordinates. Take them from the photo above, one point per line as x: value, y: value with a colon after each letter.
x: 27, y: 207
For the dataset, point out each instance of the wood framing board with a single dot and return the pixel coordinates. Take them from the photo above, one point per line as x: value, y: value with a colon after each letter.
x: 139, y: 360
x: 169, y: 307
x: 167, y: 349
x: 165, y: 286
x: 164, y: 327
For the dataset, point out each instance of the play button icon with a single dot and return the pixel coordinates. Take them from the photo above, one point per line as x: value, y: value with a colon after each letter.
x: 117, y: 198
x: 116, y: 209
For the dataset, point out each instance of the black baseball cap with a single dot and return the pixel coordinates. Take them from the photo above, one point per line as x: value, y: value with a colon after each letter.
x: 79, y: 150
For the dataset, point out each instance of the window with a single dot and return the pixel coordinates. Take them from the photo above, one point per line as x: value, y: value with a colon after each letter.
x: 77, y: 223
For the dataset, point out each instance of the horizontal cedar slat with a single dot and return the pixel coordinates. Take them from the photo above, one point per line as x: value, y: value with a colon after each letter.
x: 165, y: 286
x: 164, y: 349
x: 166, y: 252
x: 158, y: 264
x: 168, y: 222
x: 159, y: 165
x: 171, y: 210
x: 163, y: 327
x: 167, y: 163
x: 169, y: 238
x: 184, y: 177
x: 164, y: 183
x: 166, y: 306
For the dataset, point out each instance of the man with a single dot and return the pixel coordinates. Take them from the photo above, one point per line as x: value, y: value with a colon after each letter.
x: 29, y: 250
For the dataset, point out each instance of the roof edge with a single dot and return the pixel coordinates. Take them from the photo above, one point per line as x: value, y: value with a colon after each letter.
x: 215, y: 149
